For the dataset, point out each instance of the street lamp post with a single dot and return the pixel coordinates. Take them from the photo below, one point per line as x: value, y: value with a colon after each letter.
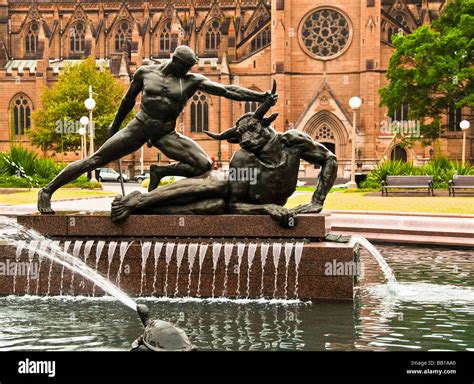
x: 90, y: 105
x: 83, y: 132
x: 464, y: 125
x: 355, y: 103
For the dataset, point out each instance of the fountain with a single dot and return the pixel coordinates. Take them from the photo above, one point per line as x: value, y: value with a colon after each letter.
x: 223, y: 266
x: 53, y: 252
x: 253, y: 319
x: 206, y: 218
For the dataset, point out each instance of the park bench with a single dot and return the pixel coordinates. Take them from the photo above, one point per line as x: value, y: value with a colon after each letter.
x: 408, y: 182
x: 460, y: 182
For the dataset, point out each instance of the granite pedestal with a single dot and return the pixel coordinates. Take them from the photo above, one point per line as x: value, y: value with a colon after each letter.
x: 237, y: 275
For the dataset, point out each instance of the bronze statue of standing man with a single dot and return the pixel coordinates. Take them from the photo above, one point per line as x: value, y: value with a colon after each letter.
x: 165, y: 88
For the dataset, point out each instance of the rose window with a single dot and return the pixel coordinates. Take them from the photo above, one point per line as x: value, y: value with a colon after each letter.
x: 325, y: 33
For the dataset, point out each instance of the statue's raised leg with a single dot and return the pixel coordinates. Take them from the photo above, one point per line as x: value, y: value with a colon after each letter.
x: 121, y: 144
x: 193, y: 161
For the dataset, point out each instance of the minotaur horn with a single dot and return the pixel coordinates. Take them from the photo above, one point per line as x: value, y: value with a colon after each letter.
x: 230, y: 135
x: 265, y: 106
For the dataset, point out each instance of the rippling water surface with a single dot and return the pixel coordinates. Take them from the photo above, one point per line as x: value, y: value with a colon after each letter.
x: 432, y: 309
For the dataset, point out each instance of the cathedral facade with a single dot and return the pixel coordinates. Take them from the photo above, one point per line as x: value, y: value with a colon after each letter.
x: 321, y: 53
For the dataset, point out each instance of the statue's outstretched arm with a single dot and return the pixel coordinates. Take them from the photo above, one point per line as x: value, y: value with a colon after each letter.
x: 320, y: 155
x: 233, y: 92
x: 317, y: 154
x: 128, y: 102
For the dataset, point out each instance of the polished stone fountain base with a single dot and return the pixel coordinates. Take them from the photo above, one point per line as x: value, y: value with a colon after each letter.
x: 324, y: 270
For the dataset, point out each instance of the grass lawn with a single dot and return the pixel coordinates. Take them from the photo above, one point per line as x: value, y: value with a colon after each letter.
x: 31, y: 196
x: 357, y: 201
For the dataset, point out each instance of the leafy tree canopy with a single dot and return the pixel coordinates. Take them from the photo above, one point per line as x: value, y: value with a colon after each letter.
x: 432, y: 69
x: 57, y: 123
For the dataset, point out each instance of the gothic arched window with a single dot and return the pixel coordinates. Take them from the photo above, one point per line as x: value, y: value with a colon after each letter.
x: 77, y: 37
x: 199, y: 113
x: 165, y: 37
x: 213, y: 35
x: 31, y: 38
x: 262, y: 39
x: 400, y: 113
x: 122, y: 34
x: 391, y: 32
x: 250, y: 106
x: 20, y: 108
x: 400, y: 17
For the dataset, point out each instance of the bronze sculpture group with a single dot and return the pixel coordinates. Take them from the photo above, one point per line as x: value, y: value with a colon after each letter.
x: 270, y: 157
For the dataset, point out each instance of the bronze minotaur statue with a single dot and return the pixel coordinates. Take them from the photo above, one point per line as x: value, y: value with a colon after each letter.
x: 165, y: 90
x: 262, y: 175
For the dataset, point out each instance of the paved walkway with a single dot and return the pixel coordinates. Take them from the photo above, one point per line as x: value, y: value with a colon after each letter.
x: 398, y: 227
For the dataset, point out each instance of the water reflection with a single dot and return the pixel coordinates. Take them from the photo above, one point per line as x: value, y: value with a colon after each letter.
x: 433, y: 309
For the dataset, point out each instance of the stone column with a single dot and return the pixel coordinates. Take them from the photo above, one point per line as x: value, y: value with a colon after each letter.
x: 281, y: 19
x: 368, y: 117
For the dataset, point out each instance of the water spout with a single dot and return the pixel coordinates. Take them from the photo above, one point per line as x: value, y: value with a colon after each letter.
x: 98, y: 253
x: 31, y: 253
x: 250, y: 256
x: 53, y: 252
x: 168, y: 254
x: 179, y: 259
x: 276, y: 251
x: 87, y: 251
x: 192, y: 250
x: 240, y: 255
x: 387, y: 271
x: 264, y: 247
x: 124, y: 246
x: 216, y: 251
x: 202, y: 254
x: 288, y: 252
x: 19, y: 249
x: 55, y: 245
x: 43, y: 246
x: 156, y: 254
x: 146, y: 248
x: 67, y: 244
x: 228, y: 248
x: 75, y: 252
x: 110, y: 256
x: 298, y: 256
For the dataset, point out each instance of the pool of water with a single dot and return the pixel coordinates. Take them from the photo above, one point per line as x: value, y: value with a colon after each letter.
x: 432, y: 309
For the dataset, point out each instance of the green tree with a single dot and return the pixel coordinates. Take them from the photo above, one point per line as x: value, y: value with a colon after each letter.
x: 432, y: 70
x: 63, y: 106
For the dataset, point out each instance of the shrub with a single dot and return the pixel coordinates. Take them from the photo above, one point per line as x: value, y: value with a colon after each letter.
x: 388, y: 168
x: 164, y: 181
x: 83, y: 182
x: 21, y: 168
x: 19, y: 161
x: 46, y: 168
x: 7, y: 181
x: 441, y: 168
